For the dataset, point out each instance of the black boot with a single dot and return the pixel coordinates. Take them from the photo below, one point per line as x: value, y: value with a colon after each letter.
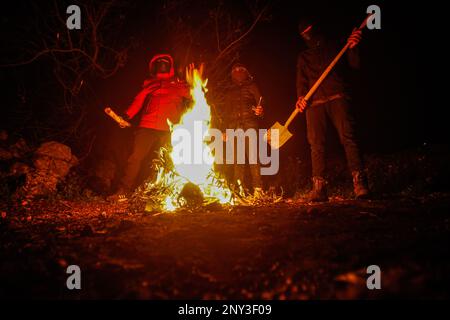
x: 360, y: 185
x: 319, y: 190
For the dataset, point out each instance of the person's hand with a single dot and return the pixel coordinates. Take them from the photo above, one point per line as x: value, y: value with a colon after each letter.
x: 301, y: 104
x: 258, y: 110
x: 354, y: 38
x: 124, y: 124
x: 123, y: 121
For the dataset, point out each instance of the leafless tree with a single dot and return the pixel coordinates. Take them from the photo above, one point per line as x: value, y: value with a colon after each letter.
x: 77, y: 55
x: 215, y: 38
x: 78, y: 58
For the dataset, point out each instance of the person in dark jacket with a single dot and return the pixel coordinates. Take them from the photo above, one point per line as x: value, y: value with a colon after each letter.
x: 160, y: 99
x: 243, y: 110
x: 331, y: 101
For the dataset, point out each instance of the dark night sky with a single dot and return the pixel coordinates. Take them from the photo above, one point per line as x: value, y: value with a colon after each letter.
x: 392, y: 98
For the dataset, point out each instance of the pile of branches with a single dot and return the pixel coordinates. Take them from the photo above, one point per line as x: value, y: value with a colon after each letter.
x: 150, y: 196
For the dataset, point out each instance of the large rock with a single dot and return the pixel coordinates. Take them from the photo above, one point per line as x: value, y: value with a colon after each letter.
x: 52, y: 162
x: 55, y: 158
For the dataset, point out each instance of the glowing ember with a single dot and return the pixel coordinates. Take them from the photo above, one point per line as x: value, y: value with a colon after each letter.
x: 200, y: 171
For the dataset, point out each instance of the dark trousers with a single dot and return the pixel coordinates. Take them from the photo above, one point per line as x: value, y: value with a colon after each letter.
x: 255, y: 174
x: 239, y: 169
x: 145, y: 140
x: 338, y: 111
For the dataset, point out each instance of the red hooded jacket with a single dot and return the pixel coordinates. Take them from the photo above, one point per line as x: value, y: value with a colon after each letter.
x: 162, y: 99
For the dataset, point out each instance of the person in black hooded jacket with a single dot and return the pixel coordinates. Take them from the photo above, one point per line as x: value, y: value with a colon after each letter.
x: 243, y: 110
x: 330, y: 101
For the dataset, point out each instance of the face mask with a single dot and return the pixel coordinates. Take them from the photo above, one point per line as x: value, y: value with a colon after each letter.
x: 162, y: 66
x: 310, y: 37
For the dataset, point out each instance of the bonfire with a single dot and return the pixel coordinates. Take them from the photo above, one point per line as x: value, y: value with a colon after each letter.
x: 181, y: 184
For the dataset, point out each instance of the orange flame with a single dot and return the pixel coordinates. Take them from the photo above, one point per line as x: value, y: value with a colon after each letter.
x: 199, y: 173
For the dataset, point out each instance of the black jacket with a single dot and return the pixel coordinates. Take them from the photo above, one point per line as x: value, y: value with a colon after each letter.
x: 239, y: 100
x: 312, y: 62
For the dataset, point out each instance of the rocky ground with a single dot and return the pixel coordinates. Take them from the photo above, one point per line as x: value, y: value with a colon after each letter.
x: 52, y: 216
x: 284, y: 251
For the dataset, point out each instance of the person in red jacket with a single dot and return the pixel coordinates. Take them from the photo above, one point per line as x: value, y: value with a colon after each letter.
x: 162, y: 98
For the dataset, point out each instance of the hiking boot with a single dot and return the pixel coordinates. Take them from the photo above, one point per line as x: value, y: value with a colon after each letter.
x: 319, y: 190
x: 360, y: 185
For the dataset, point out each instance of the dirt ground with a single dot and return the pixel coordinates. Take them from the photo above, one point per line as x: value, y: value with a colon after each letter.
x: 285, y: 251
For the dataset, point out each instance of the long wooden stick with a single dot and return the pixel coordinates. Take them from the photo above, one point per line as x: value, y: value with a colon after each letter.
x: 324, y: 75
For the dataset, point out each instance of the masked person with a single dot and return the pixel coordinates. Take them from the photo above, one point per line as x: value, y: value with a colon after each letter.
x: 243, y: 110
x: 330, y: 101
x: 161, y: 98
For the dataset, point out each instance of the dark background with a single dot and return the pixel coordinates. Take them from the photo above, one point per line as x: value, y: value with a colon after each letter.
x: 397, y: 95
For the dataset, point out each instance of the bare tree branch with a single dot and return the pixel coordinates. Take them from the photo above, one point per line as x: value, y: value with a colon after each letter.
x: 245, y: 34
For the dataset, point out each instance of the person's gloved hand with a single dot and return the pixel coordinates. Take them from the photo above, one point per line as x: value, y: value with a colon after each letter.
x: 258, y: 110
x: 124, y: 123
x: 354, y: 38
x: 301, y: 104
